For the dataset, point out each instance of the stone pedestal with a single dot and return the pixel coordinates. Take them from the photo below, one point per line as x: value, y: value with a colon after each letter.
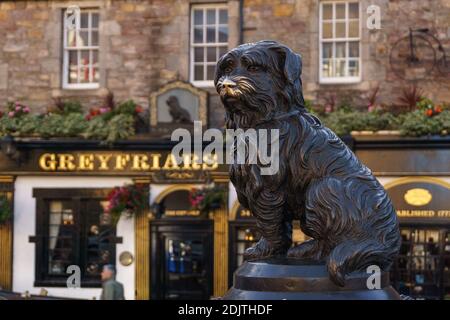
x: 290, y: 279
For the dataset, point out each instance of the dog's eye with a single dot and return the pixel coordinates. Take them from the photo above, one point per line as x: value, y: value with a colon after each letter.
x: 228, y: 69
x: 253, y: 68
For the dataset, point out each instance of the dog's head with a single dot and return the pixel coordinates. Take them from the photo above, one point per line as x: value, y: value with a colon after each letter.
x: 257, y: 80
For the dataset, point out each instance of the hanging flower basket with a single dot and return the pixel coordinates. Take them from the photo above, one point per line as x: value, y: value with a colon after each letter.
x: 127, y: 200
x: 208, y: 198
x: 5, y: 210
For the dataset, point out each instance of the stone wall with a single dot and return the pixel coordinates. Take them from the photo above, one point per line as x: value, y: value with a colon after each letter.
x: 145, y: 43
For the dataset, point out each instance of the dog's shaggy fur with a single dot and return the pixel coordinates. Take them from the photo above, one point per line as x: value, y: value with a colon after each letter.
x: 320, y: 181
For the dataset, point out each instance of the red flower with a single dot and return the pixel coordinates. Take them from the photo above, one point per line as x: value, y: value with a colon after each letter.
x: 138, y: 109
x: 438, y: 109
x: 429, y: 112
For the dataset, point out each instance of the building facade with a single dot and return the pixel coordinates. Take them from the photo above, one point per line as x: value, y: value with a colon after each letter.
x: 140, y: 49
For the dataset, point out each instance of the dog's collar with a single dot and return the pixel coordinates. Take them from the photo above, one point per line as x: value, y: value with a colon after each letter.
x: 280, y: 116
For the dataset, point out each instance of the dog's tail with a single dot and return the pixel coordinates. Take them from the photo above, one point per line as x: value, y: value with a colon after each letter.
x: 352, y: 255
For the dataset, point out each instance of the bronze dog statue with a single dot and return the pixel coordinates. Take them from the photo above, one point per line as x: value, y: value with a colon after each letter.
x: 320, y: 181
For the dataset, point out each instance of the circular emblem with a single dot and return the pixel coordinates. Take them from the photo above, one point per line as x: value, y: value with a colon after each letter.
x: 418, y: 197
x: 126, y: 258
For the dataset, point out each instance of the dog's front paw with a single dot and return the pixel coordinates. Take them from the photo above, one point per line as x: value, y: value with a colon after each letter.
x: 261, y: 249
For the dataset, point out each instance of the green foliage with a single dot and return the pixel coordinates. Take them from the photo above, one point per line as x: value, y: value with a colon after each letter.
x: 344, y: 121
x: 25, y: 125
x: 120, y: 126
x: 62, y: 125
x: 417, y: 123
x: 5, y: 209
x: 70, y: 107
x: 66, y: 120
x: 414, y: 124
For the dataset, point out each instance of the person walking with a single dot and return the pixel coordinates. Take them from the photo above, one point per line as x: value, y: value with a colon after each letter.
x: 111, y: 289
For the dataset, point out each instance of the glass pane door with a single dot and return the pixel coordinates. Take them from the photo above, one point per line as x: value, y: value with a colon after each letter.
x: 420, y: 269
x: 185, y: 270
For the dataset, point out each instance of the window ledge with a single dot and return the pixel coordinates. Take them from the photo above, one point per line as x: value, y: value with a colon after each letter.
x: 63, y: 284
x: 203, y: 84
x: 343, y: 80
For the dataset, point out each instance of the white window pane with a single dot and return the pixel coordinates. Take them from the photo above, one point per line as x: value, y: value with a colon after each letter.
x: 340, y: 11
x: 84, y: 57
x: 210, y: 34
x: 198, y: 72
x: 353, y: 10
x: 211, y: 54
x: 84, y: 20
x: 71, y: 38
x: 340, y: 30
x: 327, y: 30
x: 223, y: 34
x: 198, y: 54
x: 84, y: 74
x: 353, y: 29
x: 198, y: 35
x: 326, y: 68
x: 95, y: 19
x: 96, y: 74
x: 94, y: 38
x: 73, y: 66
x: 327, y: 11
x: 211, y: 70
x: 211, y: 16
x: 339, y: 70
x: 198, y: 17
x: 353, y: 48
x: 83, y: 39
x: 223, y: 16
x: 353, y: 68
x: 94, y: 56
x: 327, y: 50
x: 340, y: 50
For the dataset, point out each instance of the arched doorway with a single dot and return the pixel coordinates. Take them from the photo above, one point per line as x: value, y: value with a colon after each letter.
x: 181, y: 248
x: 422, y: 268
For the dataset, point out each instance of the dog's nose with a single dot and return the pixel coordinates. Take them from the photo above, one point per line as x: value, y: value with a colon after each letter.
x: 227, y: 83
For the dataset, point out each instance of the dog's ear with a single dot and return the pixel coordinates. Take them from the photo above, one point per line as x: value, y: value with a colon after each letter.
x: 291, y: 62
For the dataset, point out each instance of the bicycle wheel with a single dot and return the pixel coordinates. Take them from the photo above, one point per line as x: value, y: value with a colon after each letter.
x: 443, y: 66
x: 412, y: 66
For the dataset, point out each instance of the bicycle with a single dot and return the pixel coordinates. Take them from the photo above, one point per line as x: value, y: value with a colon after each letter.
x: 413, y: 57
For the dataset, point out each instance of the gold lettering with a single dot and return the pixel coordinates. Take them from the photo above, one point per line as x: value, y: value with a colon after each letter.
x: 86, y: 162
x: 104, y: 159
x: 195, y: 163
x: 66, y: 162
x: 47, y: 162
x: 443, y: 214
x: 210, y: 162
x: 171, y: 163
x: 140, y: 162
x: 155, y: 161
x: 416, y: 213
x: 121, y: 161
x: 187, y: 162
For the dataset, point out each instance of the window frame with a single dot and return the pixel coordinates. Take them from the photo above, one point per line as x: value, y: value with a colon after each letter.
x: 346, y: 79
x: 66, y: 49
x: 192, y: 45
x: 75, y: 196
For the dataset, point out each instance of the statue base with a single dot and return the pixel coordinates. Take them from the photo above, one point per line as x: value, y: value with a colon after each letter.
x: 291, y: 279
